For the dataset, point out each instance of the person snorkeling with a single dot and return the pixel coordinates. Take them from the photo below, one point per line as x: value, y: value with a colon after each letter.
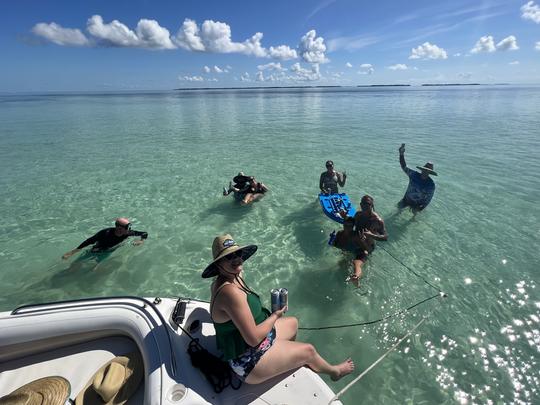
x: 421, y: 187
x: 109, y: 237
x: 245, y: 189
x: 240, y: 186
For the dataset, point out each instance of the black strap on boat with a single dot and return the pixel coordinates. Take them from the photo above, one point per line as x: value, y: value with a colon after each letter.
x: 216, y: 371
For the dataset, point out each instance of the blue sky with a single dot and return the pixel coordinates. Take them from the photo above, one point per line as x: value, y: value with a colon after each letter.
x: 145, y: 45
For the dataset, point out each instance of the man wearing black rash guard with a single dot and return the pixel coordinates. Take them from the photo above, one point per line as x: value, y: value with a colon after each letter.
x: 109, y: 237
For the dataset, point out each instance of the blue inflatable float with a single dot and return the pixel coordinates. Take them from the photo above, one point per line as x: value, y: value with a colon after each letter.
x: 333, y: 204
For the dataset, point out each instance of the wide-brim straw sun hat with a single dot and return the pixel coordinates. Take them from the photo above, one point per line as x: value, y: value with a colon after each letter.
x: 221, y: 247
x: 45, y: 391
x: 115, y: 382
x: 428, y: 167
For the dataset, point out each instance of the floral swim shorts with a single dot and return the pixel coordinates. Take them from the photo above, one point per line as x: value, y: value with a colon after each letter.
x: 243, y: 364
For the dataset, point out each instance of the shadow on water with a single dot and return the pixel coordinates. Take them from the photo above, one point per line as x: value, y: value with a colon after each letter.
x: 327, y: 290
x: 228, y: 208
x: 84, y: 276
x: 307, y: 223
x: 398, y: 222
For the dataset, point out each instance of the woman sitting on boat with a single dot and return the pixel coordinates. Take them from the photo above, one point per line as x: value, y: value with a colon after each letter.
x: 257, y: 345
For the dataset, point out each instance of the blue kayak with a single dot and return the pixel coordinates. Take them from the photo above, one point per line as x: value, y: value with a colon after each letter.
x: 332, y: 204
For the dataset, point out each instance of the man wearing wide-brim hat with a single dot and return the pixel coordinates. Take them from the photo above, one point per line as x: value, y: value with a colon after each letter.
x: 421, y: 187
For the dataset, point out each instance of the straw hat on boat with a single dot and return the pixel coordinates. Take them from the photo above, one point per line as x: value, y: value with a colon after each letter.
x: 114, y: 383
x: 45, y: 391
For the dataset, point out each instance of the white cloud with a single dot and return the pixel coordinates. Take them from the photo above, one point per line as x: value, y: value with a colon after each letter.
x: 260, y: 76
x: 537, y: 46
x: 457, y: 54
x: 191, y: 78
x: 282, y: 52
x: 312, y: 49
x: 530, y: 11
x: 152, y: 35
x: 516, y: 62
x: 271, y: 66
x: 206, y: 69
x: 306, y: 74
x: 215, y: 36
x: 465, y: 76
x: 348, y: 64
x: 59, y: 35
x: 398, y: 66
x: 217, y: 69
x: 148, y: 34
x: 188, y: 36
x: 508, y: 44
x: 245, y: 77
x: 211, y: 36
x: 428, y: 51
x: 366, y: 69
x: 484, y: 44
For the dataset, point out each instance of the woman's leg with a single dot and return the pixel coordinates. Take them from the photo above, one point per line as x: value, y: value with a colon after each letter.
x: 285, y: 355
x: 257, y: 196
x: 248, y: 199
x: 286, y: 328
x: 357, y: 272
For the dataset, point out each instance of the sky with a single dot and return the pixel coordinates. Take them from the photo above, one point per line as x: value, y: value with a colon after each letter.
x: 111, y: 45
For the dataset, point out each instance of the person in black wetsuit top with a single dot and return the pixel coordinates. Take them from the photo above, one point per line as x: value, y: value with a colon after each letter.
x: 109, y: 237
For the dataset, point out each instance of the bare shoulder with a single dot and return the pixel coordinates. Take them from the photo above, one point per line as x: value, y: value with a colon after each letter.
x: 377, y: 218
x: 230, y: 293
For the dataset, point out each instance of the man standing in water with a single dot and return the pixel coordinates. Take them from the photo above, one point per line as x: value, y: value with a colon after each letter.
x: 421, y: 187
x: 370, y: 227
x: 109, y: 237
x: 330, y: 179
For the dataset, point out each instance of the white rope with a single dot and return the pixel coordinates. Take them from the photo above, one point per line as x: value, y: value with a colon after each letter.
x: 335, y: 398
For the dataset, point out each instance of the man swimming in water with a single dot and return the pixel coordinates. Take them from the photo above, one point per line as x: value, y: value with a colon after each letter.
x: 109, y: 237
x: 330, y: 179
x: 421, y: 187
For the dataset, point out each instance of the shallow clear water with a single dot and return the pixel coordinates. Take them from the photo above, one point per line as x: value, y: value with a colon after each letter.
x: 70, y: 164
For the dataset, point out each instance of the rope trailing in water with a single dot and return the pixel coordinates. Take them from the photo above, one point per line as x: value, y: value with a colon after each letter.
x: 411, y: 270
x: 336, y: 397
x: 401, y: 311
x: 440, y: 294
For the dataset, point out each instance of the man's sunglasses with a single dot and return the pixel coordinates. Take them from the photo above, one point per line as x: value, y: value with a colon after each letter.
x: 233, y: 255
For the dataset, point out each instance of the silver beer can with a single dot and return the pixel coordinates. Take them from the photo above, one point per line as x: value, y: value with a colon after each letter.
x: 283, y: 298
x: 274, y: 299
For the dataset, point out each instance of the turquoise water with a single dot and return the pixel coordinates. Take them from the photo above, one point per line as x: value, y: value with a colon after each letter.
x: 72, y: 163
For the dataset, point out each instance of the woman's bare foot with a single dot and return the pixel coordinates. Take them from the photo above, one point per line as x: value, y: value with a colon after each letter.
x: 342, y: 369
x: 354, y: 279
